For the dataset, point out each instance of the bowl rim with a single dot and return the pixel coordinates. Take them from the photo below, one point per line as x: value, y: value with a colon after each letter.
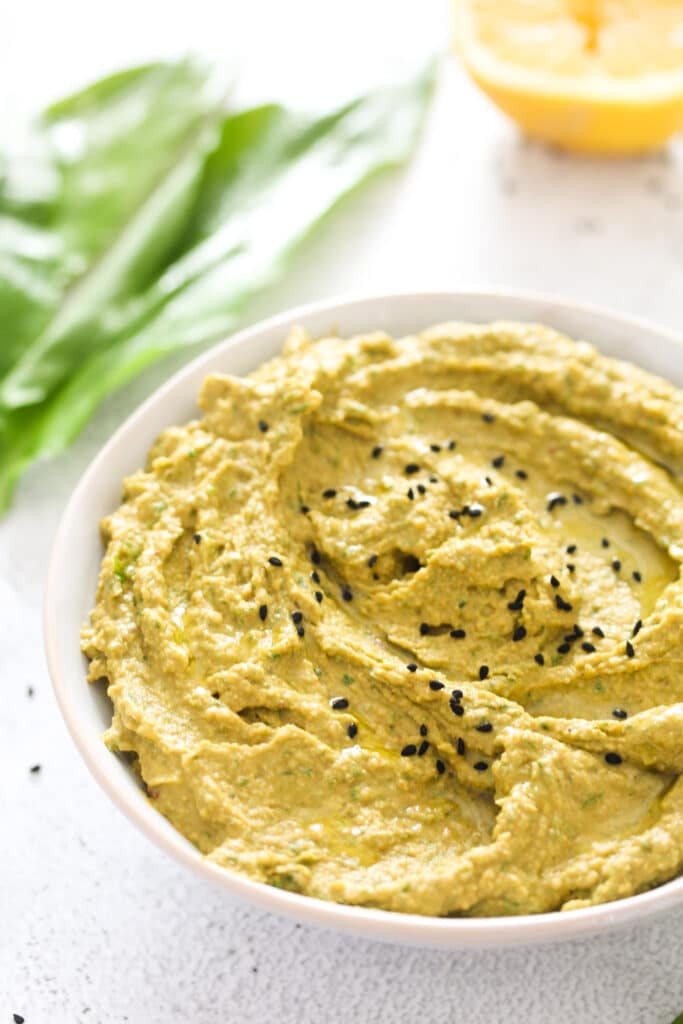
x: 365, y: 922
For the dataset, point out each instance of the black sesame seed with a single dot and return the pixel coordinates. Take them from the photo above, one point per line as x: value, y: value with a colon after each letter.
x: 489, y: 481
x: 435, y: 447
x: 300, y: 630
x: 451, y: 446
x: 440, y: 767
x: 423, y: 748
x: 456, y: 707
x: 433, y: 479
x: 457, y: 694
x: 498, y: 461
x: 637, y: 576
x: 474, y: 510
x: 263, y: 612
x: 564, y: 606
x: 421, y: 489
x: 34, y: 769
x: 352, y: 730
x: 315, y: 576
x: 454, y: 514
x: 274, y: 560
x: 598, y: 632
x: 577, y: 630
x: 484, y: 727
x: 29, y: 691
x: 411, y: 494
x: 347, y: 593
x: 554, y: 582
x: 630, y: 649
x: 577, y: 499
x: 616, y: 564
x: 318, y: 596
x: 620, y: 714
x: 521, y: 474
x: 480, y: 766
x: 424, y: 628
x: 197, y: 538
x: 564, y: 648
x: 458, y: 634
x: 434, y: 684
x: 519, y: 633
x: 539, y: 659
x: 329, y: 493
x: 488, y: 417
x: 570, y: 637
x: 570, y: 567
x: 411, y: 468
x: 605, y: 542
x: 339, y: 703
x: 637, y: 628
x: 304, y: 510
x: 612, y: 757
x: 460, y: 746
x: 263, y: 426
x: 588, y: 647
x: 352, y: 503
x: 377, y: 451
x: 555, y: 499
x: 423, y: 730
x: 372, y: 561
x: 571, y: 548
x: 409, y: 750
x: 483, y: 671
x: 17, y: 1018
x: 316, y: 557
x: 412, y: 667
x: 297, y: 617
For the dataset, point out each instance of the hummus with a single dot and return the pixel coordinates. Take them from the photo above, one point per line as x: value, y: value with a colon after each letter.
x: 399, y: 623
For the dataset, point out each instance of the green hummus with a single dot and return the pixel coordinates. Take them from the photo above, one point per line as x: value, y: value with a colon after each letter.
x: 399, y: 623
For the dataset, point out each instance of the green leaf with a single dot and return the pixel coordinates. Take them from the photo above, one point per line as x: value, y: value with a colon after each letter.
x: 153, y: 217
x: 679, y: 1019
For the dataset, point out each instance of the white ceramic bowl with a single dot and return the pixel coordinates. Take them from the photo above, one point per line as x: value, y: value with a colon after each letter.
x: 77, y: 553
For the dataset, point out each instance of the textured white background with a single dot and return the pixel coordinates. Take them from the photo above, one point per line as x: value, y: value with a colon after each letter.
x: 95, y: 924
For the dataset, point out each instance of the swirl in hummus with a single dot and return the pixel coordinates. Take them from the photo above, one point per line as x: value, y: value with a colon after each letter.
x: 399, y: 623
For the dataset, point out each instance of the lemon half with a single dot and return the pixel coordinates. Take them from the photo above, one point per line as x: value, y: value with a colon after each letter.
x: 598, y: 76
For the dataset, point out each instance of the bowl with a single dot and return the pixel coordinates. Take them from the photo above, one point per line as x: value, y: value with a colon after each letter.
x: 77, y: 553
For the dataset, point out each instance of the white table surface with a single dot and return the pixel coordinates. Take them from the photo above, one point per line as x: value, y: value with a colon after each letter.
x: 96, y: 925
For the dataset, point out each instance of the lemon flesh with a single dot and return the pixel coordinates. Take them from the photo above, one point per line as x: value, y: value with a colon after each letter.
x: 591, y: 76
